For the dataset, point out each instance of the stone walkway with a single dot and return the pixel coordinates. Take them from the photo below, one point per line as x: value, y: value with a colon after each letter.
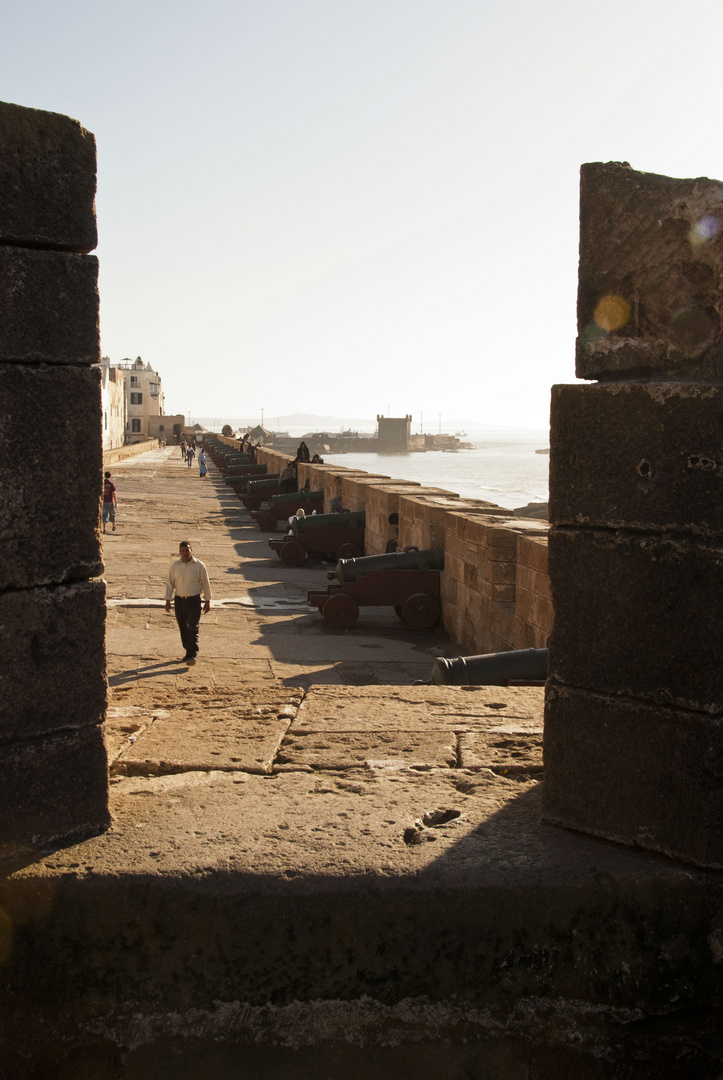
x: 274, y: 689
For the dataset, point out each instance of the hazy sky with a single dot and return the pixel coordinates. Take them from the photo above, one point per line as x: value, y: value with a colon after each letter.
x: 349, y: 207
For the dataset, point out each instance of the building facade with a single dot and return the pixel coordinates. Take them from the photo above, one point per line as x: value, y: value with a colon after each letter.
x: 132, y: 403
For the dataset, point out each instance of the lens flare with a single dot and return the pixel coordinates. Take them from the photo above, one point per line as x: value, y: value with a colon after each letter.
x: 611, y: 312
x: 704, y: 229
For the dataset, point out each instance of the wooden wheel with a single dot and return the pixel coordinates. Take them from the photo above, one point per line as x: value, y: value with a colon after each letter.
x: 251, y: 502
x: 267, y: 520
x: 349, y: 551
x: 340, y: 611
x: 293, y: 553
x: 420, y: 611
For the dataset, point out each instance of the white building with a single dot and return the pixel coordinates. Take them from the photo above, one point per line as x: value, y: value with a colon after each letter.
x: 132, y: 401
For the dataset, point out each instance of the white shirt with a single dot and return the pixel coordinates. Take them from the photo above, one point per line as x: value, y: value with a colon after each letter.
x: 188, y: 579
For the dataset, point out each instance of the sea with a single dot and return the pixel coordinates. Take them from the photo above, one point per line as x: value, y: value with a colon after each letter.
x: 503, y: 468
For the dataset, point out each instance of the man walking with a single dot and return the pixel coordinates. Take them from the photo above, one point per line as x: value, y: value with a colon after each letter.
x: 187, y: 578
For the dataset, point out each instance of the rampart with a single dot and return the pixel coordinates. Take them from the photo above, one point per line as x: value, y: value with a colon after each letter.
x: 495, y: 587
x: 52, y: 602
x: 122, y: 453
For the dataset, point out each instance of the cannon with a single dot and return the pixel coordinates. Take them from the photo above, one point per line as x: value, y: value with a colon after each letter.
x: 407, y: 581
x: 261, y: 490
x: 491, y: 669
x: 281, y: 507
x: 321, y: 535
x: 240, y: 473
x: 240, y: 484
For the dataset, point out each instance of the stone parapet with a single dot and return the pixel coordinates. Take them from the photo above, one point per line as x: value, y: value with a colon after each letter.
x: 48, y: 307
x: 47, y: 179
x: 649, y: 304
x: 633, y: 742
x: 644, y: 456
x: 53, y: 775
x: 50, y: 483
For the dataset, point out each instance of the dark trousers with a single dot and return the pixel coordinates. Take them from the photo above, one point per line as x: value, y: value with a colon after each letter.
x: 188, y: 616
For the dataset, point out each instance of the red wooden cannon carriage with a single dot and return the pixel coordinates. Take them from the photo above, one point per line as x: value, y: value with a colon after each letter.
x: 408, y: 581
x: 336, y: 536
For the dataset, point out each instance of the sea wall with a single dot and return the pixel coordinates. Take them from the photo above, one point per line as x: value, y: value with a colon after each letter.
x: 495, y: 587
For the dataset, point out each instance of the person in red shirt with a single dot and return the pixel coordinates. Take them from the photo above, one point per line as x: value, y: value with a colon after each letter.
x: 109, y: 501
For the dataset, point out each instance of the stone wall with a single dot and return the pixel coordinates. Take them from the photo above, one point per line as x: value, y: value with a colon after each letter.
x: 122, y: 453
x: 53, y: 775
x: 495, y: 588
x: 633, y: 740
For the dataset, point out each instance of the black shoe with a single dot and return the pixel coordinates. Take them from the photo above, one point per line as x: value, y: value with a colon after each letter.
x: 190, y: 660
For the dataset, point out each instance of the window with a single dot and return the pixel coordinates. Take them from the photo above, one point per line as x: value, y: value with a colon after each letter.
x: 105, y: 419
x: 135, y: 425
x: 134, y: 380
x: 153, y: 387
x: 136, y: 399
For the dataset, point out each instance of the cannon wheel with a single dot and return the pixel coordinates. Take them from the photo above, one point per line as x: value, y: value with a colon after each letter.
x: 349, y: 551
x: 251, y: 502
x: 293, y: 553
x: 340, y: 611
x: 267, y: 520
x: 420, y: 611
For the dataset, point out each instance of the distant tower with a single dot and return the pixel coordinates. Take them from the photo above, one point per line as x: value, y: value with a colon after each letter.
x: 394, y: 433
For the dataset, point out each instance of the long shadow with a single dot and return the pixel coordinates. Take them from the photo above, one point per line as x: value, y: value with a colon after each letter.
x: 133, y: 674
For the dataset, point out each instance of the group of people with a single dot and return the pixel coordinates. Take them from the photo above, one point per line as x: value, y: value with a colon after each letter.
x: 188, y: 452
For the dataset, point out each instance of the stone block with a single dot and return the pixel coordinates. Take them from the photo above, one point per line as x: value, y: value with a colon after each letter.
x: 533, y: 580
x: 51, y: 486
x: 635, y: 773
x: 47, y: 177
x: 53, y: 646
x: 55, y: 792
x: 532, y: 552
x: 649, y: 296
x: 638, y: 615
x: 48, y: 307
x: 640, y: 456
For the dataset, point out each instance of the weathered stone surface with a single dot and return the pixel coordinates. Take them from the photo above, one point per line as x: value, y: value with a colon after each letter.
x: 47, y: 179
x: 506, y: 751
x: 638, y: 615
x: 245, y: 735
x: 371, y: 749
x: 640, y: 456
x: 636, y: 773
x: 52, y: 677
x: 51, y: 486
x: 48, y: 307
x: 54, y: 791
x: 651, y: 256
x: 297, y: 889
x: 420, y: 708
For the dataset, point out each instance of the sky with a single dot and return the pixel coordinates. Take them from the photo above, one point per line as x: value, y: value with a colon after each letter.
x: 352, y: 207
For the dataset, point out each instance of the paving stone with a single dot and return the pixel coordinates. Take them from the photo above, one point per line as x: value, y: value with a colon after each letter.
x: 649, y: 292
x: 55, y: 791
x: 635, y: 772
x: 383, y: 749
x: 50, y: 482
x: 48, y: 307
x: 638, y: 615
x: 243, y: 735
x: 507, y: 752
x: 641, y: 456
x: 420, y: 708
x: 52, y: 676
x: 47, y: 177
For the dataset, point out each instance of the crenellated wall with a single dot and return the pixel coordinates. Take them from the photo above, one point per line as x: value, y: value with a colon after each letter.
x: 495, y: 587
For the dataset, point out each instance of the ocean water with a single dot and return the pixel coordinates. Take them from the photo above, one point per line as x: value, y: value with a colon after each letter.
x: 503, y: 468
